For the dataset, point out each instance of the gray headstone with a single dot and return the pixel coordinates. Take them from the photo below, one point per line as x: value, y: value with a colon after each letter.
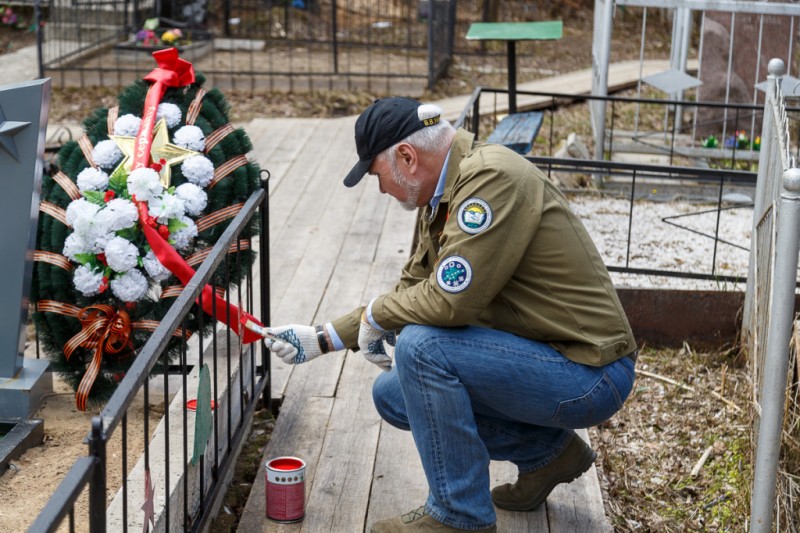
x: 24, y: 111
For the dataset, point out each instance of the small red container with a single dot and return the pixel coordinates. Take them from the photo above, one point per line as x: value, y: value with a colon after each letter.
x: 286, y: 489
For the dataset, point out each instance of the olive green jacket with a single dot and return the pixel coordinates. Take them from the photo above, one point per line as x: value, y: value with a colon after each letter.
x: 503, y: 250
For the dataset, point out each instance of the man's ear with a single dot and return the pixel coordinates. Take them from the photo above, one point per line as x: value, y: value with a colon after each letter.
x: 407, y: 156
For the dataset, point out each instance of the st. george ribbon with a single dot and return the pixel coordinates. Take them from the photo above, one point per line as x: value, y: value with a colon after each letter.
x: 172, y: 71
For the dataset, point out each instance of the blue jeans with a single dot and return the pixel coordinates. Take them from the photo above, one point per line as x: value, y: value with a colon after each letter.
x: 470, y: 395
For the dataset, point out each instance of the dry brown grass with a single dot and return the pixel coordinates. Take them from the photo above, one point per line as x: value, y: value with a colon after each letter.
x: 650, y: 449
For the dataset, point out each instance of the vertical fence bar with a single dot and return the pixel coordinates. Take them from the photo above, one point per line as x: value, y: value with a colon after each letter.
x: 124, y: 438
x: 185, y: 420
x: 431, y: 48
x: 716, y: 228
x: 97, y: 484
x: 630, y: 220
x: 777, y: 358
x: 166, y: 441
x: 775, y: 69
x: 265, y: 288
x: 604, y: 13
x: 37, y: 9
x: 334, y: 38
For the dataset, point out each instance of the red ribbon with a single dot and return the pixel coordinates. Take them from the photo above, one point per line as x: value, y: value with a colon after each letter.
x: 172, y: 71
x: 175, y: 72
x: 176, y: 264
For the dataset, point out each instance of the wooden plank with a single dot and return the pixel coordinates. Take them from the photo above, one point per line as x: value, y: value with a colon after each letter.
x: 298, y: 208
x: 340, y: 492
x: 621, y: 75
x: 265, y: 136
x: 298, y: 266
x: 342, y: 282
x: 578, y: 506
x: 383, y: 231
x: 299, y: 432
x: 399, y: 483
x: 290, y: 145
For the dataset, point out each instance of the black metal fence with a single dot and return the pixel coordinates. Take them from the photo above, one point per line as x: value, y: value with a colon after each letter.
x: 380, y: 45
x: 631, y: 250
x: 681, y: 132
x: 178, y: 479
x: 649, y: 156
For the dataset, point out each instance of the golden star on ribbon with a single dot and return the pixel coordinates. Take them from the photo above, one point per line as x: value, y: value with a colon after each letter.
x: 160, y: 149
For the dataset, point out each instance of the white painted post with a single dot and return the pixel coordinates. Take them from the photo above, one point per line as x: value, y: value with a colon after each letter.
x: 776, y: 362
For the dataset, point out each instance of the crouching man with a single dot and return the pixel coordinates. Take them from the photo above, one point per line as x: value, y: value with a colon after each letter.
x: 509, y: 333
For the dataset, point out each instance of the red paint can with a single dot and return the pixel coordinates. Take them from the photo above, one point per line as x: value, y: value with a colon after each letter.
x: 286, y: 489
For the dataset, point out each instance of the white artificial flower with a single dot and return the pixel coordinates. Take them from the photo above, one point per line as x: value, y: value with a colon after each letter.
x: 169, y: 112
x: 82, y: 216
x: 106, y: 153
x: 87, y: 281
x: 165, y: 207
x: 198, y: 169
x: 183, y: 238
x: 74, y: 245
x: 92, y: 179
x: 118, y: 214
x: 154, y: 268
x: 100, y: 239
x: 121, y: 254
x: 144, y: 184
x: 130, y: 287
x: 80, y: 210
x: 194, y: 198
x: 190, y: 137
x: 127, y: 125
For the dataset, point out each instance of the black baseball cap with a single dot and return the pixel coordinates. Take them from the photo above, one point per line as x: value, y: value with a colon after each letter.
x: 386, y: 122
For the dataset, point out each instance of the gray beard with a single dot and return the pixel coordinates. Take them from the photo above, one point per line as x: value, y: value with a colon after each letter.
x: 412, y: 189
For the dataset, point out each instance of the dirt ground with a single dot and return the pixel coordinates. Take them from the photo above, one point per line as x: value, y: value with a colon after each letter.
x: 684, y: 403
x: 30, y: 480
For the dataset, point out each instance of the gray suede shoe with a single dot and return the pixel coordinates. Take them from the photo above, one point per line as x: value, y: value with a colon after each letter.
x: 532, y: 488
x: 418, y: 520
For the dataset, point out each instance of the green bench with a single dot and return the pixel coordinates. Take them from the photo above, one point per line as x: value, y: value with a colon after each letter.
x: 518, y: 131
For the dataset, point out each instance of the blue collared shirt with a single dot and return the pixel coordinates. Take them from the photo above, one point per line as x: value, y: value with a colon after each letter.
x: 439, y: 192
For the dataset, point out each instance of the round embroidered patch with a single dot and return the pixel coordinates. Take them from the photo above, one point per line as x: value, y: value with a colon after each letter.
x: 454, y: 274
x: 474, y: 215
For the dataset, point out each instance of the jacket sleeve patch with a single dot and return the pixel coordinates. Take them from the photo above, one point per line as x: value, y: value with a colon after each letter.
x: 454, y: 274
x: 474, y: 215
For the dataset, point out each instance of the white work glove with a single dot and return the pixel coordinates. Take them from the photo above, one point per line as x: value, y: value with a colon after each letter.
x: 370, y: 342
x: 294, y: 344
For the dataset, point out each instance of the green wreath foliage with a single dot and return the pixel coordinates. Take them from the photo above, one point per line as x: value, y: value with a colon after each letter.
x: 54, y: 283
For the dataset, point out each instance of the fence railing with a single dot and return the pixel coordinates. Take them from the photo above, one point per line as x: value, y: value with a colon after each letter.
x: 659, y: 127
x: 179, y: 475
x: 769, y: 320
x: 629, y: 217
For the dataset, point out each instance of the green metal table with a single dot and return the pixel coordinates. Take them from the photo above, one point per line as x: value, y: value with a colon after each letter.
x: 511, y: 32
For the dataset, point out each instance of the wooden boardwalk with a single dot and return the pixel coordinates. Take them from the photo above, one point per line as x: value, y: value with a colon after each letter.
x: 331, y: 249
